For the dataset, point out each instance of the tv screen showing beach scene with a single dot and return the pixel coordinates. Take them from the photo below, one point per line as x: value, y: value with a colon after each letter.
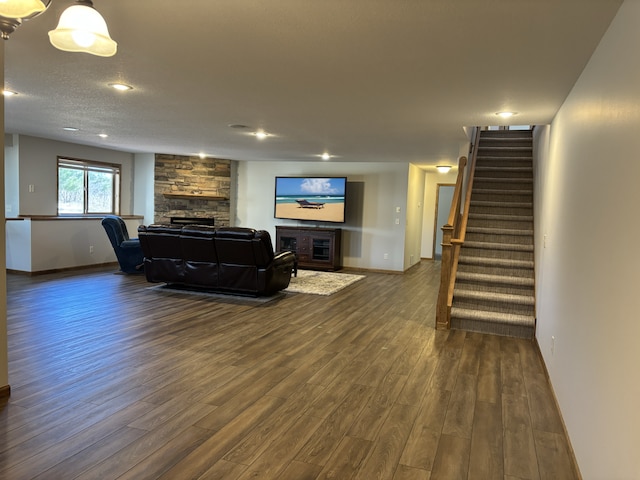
x: 320, y: 199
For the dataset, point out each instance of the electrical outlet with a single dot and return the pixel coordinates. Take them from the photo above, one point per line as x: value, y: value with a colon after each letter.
x: 32, y: 188
x: 90, y: 248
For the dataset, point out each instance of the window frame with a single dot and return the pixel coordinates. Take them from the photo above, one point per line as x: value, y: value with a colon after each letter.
x: 88, y: 166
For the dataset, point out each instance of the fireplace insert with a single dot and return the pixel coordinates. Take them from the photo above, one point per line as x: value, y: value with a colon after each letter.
x: 192, y: 221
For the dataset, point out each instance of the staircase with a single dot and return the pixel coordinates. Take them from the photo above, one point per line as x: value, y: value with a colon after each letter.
x: 494, y: 288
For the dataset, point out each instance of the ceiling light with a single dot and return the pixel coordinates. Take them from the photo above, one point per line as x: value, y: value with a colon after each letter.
x: 70, y: 129
x: 443, y: 168
x: 9, y: 93
x: 14, y: 12
x: 122, y: 87
x: 103, y: 135
x: 506, y: 114
x: 82, y: 29
x: 261, y: 134
x: 21, y: 8
x: 325, y: 156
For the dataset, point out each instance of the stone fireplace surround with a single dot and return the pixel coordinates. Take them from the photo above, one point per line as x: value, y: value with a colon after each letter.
x: 189, y: 186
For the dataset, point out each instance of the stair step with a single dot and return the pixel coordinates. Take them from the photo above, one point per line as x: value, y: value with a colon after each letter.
x: 514, y: 247
x: 500, y: 231
x: 495, y: 191
x: 505, y: 148
x: 493, y: 317
x: 496, y: 216
x: 495, y: 279
x: 504, y: 169
x: 495, y: 297
x: 477, y: 180
x: 486, y: 203
x: 495, y: 262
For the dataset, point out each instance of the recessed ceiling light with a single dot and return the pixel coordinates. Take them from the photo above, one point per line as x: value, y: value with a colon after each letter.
x: 9, y: 93
x: 202, y: 155
x: 261, y: 134
x: 443, y: 168
x: 122, y: 87
x: 325, y: 156
x: 237, y: 125
x: 103, y: 135
x: 506, y: 114
x: 70, y: 129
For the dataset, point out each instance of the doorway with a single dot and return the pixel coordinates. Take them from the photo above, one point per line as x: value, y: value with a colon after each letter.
x: 444, y: 197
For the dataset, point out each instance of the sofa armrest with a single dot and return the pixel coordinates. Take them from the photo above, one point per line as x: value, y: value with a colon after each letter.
x: 284, y: 258
x: 133, y: 243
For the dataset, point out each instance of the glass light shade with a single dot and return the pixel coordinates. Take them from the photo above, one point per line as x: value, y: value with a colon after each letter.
x: 443, y: 168
x: 21, y: 8
x: 82, y: 29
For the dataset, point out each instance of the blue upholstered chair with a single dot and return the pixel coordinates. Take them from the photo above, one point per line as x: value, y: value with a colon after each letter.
x: 127, y: 250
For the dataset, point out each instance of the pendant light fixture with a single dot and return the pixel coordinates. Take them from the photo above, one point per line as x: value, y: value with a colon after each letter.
x: 82, y: 29
x: 14, y: 12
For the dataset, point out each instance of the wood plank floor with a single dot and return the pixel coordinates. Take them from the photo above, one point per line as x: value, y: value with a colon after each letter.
x: 112, y: 379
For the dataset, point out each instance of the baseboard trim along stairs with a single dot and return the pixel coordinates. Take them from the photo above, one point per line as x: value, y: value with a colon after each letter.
x: 494, y: 289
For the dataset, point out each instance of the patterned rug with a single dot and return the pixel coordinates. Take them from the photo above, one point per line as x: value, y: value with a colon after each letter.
x: 321, y: 283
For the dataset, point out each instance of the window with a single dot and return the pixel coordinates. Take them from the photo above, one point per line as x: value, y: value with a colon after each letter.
x: 86, y: 187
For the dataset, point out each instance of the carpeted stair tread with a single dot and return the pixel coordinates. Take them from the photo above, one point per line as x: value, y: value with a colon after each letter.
x: 503, y: 180
x: 495, y: 262
x: 505, y: 148
x: 487, y: 203
x: 493, y: 317
x: 495, y: 191
x: 500, y: 231
x: 496, y: 216
x: 515, y: 247
x: 506, y: 298
x: 514, y: 158
x: 495, y: 279
x: 527, y: 169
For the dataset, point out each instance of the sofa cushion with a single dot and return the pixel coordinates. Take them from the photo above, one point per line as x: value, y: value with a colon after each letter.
x: 199, y: 255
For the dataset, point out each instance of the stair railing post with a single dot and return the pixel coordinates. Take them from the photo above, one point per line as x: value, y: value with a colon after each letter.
x: 443, y: 315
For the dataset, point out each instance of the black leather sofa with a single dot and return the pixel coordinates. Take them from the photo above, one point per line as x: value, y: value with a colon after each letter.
x: 223, y: 259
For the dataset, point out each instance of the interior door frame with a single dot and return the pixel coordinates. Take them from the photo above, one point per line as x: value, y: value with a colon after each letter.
x: 435, y: 216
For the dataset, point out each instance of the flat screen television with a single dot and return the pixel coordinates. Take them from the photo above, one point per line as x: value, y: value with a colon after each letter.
x: 318, y: 199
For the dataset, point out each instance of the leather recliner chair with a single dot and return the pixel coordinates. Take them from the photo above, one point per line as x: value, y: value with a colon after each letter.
x: 128, y: 250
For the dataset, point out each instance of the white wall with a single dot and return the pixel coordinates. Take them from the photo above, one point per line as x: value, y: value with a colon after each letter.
x: 374, y: 192
x: 143, y: 187
x: 414, y: 216
x: 587, y: 275
x: 11, y: 165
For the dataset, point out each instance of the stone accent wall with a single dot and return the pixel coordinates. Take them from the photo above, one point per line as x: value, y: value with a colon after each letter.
x: 186, y: 175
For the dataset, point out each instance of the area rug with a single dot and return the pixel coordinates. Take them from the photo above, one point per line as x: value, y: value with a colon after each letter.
x: 214, y: 296
x: 321, y: 283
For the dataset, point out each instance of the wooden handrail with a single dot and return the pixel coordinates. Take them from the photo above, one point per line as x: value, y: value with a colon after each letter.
x: 467, y: 199
x: 453, y: 234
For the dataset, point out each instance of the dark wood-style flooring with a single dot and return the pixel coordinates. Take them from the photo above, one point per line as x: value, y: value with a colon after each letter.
x: 114, y: 380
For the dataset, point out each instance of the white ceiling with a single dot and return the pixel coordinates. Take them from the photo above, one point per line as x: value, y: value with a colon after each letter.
x: 367, y: 80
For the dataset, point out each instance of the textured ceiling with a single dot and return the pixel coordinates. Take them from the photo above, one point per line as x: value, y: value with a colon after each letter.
x: 367, y: 80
